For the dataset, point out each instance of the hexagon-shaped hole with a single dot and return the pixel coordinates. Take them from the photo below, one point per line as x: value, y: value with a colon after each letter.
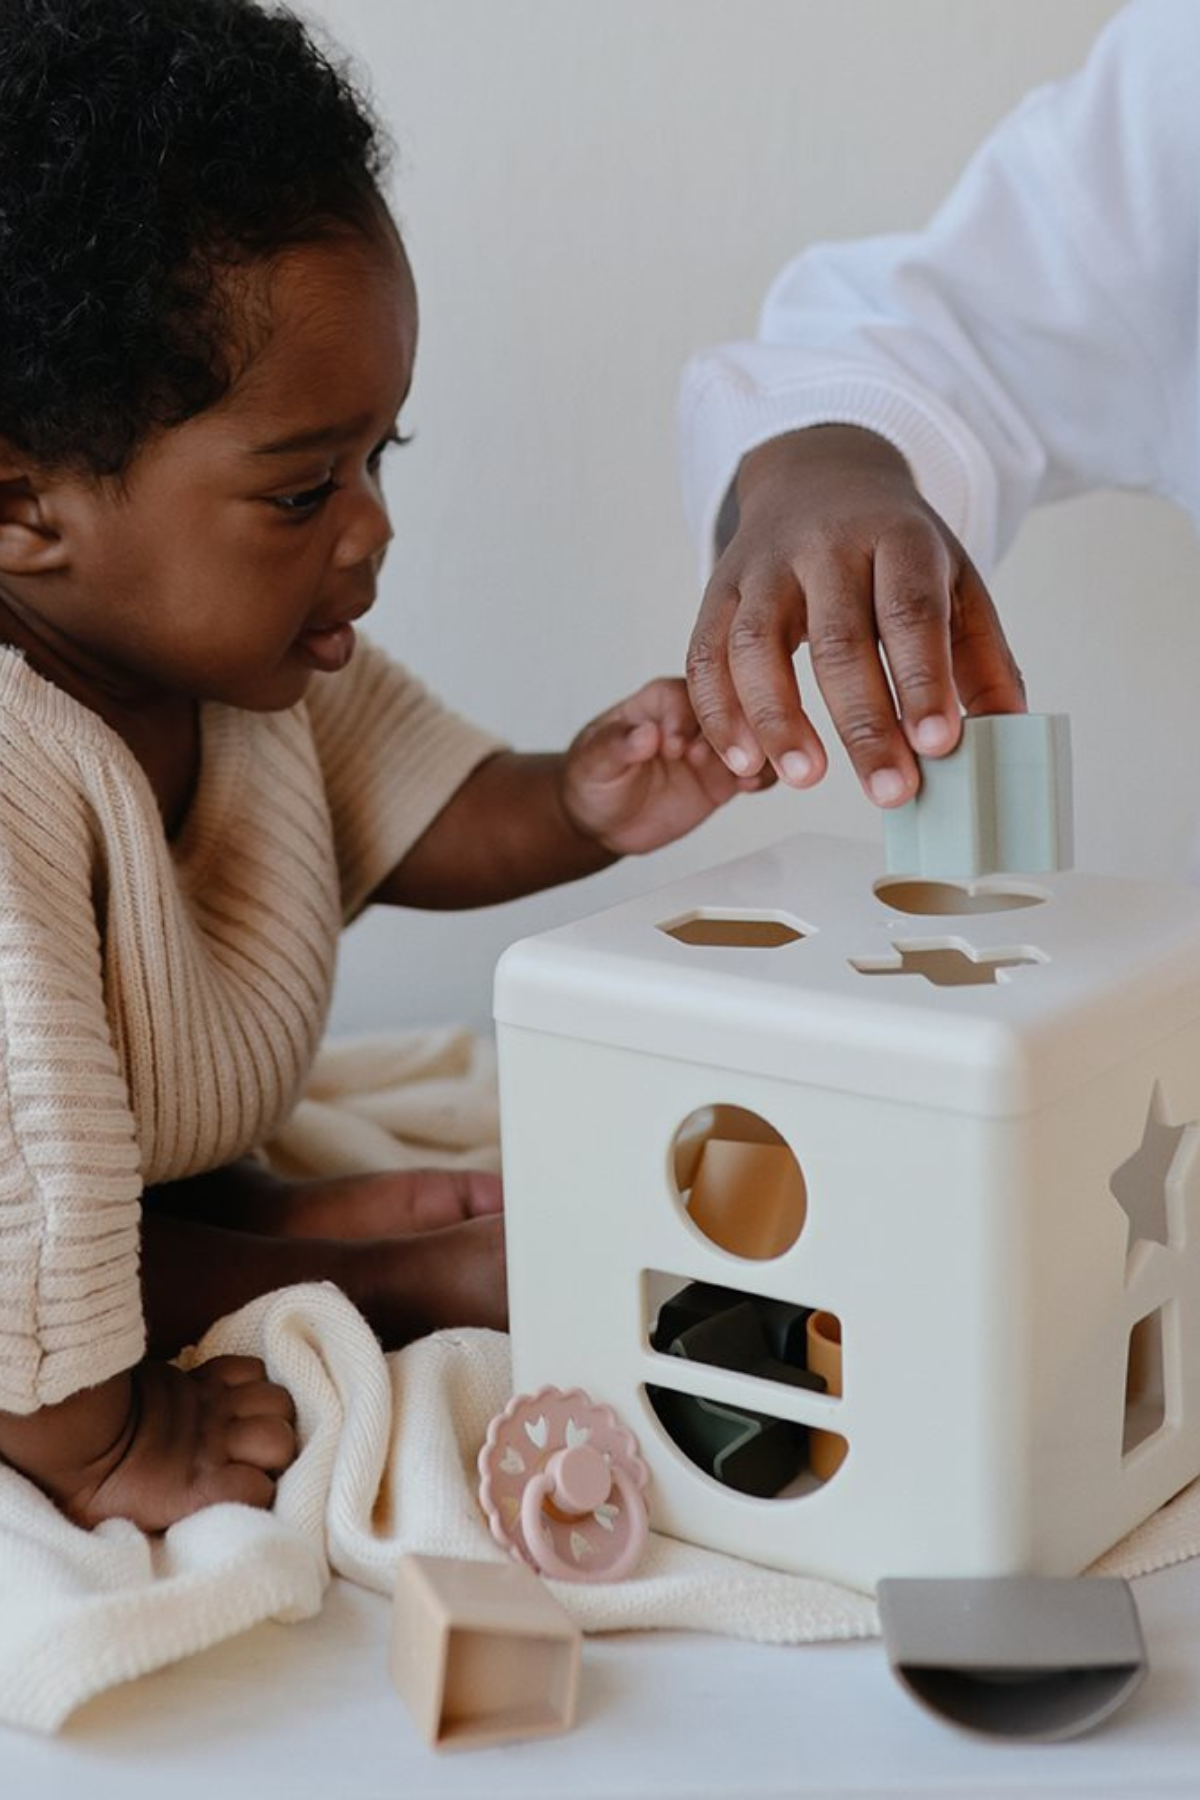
x: 739, y: 1181
x: 747, y: 930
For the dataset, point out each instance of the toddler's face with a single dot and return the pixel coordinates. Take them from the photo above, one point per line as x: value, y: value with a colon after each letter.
x: 233, y: 559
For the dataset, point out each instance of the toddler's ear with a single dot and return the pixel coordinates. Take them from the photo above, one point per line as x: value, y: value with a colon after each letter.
x: 30, y: 542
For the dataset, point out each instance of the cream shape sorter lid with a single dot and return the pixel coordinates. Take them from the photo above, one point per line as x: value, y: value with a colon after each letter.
x: 1090, y: 969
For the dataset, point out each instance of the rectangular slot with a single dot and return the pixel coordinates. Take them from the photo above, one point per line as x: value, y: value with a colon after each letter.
x: 751, y: 1334
x: 1145, y: 1381
x: 739, y: 1444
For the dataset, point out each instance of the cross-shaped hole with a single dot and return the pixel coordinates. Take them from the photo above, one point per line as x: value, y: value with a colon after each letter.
x: 946, y: 965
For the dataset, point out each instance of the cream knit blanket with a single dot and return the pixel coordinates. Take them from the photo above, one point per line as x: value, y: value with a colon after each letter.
x: 387, y: 1463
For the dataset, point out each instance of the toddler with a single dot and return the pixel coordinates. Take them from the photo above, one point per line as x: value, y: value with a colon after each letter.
x: 208, y: 326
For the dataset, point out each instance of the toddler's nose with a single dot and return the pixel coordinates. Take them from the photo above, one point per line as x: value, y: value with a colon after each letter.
x: 367, y: 535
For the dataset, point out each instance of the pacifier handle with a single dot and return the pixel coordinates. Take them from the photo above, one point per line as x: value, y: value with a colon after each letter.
x: 576, y: 1481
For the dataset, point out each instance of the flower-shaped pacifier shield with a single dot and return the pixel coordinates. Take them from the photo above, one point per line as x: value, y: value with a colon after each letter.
x: 562, y: 1485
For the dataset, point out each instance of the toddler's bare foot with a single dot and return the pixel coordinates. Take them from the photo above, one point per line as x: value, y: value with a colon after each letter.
x: 391, y: 1203
x: 452, y: 1276
x: 415, y: 1250
x: 219, y: 1432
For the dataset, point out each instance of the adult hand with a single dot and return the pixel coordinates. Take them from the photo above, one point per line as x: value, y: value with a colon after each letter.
x: 834, y: 546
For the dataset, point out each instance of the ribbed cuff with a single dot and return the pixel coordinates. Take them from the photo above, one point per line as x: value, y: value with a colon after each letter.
x: 724, y: 414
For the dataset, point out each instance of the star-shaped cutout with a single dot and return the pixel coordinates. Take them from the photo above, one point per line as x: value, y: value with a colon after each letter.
x: 1141, y: 1185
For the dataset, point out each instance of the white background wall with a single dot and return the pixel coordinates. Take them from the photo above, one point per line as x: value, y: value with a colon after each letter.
x: 590, y: 189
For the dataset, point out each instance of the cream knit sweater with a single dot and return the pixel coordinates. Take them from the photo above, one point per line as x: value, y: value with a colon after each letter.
x: 161, y: 1002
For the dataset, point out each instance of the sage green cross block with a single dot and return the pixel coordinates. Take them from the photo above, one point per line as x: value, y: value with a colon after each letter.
x: 1000, y: 802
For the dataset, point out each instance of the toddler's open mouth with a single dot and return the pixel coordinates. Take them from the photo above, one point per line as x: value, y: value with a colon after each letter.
x: 327, y: 647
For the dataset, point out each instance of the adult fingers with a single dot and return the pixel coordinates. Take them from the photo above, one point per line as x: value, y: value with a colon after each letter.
x: 849, y: 670
x: 710, y: 679
x: 764, y: 634
x: 717, y: 781
x: 912, y: 584
x: 985, y: 670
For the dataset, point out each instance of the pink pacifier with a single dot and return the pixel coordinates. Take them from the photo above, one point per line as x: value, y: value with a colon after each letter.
x: 561, y: 1483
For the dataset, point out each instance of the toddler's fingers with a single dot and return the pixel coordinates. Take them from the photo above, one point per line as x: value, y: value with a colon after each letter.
x: 613, y: 746
x: 231, y: 1371
x: 237, y: 1483
x: 261, y: 1442
x: 250, y: 1399
x: 663, y: 703
x: 666, y: 700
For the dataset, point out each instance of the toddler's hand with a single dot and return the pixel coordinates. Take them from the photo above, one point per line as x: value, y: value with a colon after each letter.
x: 836, y: 547
x: 641, y: 775
x: 219, y: 1432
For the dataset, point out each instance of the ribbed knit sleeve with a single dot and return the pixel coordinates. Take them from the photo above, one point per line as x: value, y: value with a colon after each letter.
x: 392, y: 755
x: 70, y: 1303
x: 161, y: 1002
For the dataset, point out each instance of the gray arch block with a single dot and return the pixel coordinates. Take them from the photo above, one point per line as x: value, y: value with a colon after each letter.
x: 1024, y: 1657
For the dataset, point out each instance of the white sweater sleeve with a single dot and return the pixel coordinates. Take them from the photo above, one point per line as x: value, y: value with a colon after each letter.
x: 1039, y: 338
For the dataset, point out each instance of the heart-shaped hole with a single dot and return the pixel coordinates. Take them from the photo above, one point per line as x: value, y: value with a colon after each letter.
x: 928, y: 899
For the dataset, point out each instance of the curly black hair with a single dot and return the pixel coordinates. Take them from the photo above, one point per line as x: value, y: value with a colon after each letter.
x: 147, y: 147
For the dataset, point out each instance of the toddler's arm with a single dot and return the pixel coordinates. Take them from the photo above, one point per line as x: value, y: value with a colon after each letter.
x: 1041, y: 337
x: 154, y: 1444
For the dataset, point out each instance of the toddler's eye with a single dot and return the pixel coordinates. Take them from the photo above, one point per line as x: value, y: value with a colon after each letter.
x: 385, y: 443
x: 299, y: 505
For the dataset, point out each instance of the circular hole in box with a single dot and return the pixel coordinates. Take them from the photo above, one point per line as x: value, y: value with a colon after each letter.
x: 739, y: 1181
x: 937, y: 899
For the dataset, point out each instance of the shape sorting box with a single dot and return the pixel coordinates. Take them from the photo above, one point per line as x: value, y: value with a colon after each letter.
x: 871, y: 1203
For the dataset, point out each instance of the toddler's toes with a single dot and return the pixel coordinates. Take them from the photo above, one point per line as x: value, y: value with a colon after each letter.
x: 482, y: 1192
x: 431, y: 1199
